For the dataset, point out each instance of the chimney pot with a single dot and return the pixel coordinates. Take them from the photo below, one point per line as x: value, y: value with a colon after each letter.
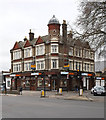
x: 31, y: 35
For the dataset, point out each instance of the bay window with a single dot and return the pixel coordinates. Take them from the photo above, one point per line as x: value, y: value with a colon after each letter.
x: 54, y: 48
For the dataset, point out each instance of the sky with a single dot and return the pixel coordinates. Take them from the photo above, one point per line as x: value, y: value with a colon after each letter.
x: 18, y: 16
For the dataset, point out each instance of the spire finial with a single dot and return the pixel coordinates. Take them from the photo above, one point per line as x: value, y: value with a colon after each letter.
x: 30, y: 30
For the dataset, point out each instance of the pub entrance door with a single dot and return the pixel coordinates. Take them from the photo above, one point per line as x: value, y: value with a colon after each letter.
x: 53, y: 85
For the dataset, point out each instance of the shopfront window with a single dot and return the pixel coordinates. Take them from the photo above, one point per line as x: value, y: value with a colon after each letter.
x: 63, y: 83
x: 40, y: 82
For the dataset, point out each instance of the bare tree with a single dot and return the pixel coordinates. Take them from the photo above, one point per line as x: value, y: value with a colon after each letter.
x: 92, y: 23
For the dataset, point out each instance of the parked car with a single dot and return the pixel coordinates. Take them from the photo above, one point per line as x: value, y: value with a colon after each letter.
x: 92, y: 90
x: 99, y: 90
x: 1, y: 88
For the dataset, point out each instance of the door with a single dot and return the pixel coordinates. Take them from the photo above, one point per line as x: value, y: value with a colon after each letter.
x: 54, y: 85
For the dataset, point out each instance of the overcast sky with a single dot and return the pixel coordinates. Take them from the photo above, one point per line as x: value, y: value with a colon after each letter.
x: 18, y: 16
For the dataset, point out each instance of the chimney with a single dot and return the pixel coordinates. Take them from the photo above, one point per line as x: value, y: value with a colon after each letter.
x: 70, y: 35
x: 25, y: 38
x: 64, y: 31
x: 31, y: 35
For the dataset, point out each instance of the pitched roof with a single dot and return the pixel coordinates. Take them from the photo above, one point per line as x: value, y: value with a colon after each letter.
x: 27, y: 43
x: 39, y: 40
x: 16, y: 46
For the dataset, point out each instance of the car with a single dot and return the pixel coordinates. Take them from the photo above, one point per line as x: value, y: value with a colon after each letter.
x: 99, y: 90
x: 1, y: 88
x: 92, y: 90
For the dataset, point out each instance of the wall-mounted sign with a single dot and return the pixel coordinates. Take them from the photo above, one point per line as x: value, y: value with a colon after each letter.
x: 36, y: 73
x: 85, y: 74
x: 64, y: 73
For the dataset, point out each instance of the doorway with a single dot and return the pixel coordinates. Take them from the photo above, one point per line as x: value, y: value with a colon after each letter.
x: 53, y: 85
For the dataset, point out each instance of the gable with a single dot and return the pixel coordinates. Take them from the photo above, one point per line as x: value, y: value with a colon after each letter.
x: 27, y: 44
x: 16, y: 46
x: 39, y: 40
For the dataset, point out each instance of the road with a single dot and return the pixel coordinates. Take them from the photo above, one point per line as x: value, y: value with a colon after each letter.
x: 36, y: 107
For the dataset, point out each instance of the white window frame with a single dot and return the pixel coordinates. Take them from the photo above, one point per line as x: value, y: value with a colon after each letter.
x: 17, y: 54
x: 71, y: 51
x: 40, y: 49
x: 27, y: 66
x: 17, y: 67
x: 27, y: 52
x: 56, y: 49
x: 70, y: 64
x: 57, y: 64
x: 39, y: 64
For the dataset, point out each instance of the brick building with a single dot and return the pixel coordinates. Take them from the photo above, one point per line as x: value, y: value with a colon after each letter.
x: 54, y: 59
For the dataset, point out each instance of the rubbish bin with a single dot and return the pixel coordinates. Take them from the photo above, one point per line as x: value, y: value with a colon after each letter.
x: 42, y: 93
x: 60, y: 90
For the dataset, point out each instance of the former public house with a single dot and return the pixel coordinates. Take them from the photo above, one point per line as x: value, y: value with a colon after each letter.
x: 53, y: 61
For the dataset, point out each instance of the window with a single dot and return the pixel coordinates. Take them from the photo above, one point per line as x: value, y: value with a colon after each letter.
x: 16, y: 55
x: 79, y: 66
x: 71, y: 51
x: 92, y: 55
x: 40, y: 65
x: 85, y: 66
x: 40, y: 82
x: 40, y: 50
x: 76, y: 65
x: 88, y: 67
x: 54, y: 48
x: 54, y: 63
x: 8, y: 83
x: 16, y: 67
x: 27, y: 52
x: 92, y: 68
x: 63, y: 83
x: 27, y: 66
x: 76, y: 52
x: 80, y: 53
x: 71, y: 65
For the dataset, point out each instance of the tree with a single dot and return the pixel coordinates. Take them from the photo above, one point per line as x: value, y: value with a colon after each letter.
x: 92, y: 23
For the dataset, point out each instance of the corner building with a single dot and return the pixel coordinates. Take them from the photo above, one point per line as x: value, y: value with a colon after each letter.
x: 54, y: 58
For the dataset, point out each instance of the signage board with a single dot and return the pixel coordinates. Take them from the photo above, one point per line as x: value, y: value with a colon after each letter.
x: 98, y: 78
x: 36, y: 73
x: 67, y: 66
x: 64, y: 73
x: 85, y: 74
x: 33, y: 66
x: 12, y: 75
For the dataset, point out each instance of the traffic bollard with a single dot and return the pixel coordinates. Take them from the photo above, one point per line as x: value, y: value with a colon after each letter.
x: 42, y: 93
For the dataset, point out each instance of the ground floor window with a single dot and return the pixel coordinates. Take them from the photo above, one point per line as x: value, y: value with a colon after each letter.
x: 40, y: 82
x: 8, y: 83
x: 63, y: 83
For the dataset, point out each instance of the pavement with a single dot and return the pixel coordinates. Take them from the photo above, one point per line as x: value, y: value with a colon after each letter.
x: 71, y: 95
